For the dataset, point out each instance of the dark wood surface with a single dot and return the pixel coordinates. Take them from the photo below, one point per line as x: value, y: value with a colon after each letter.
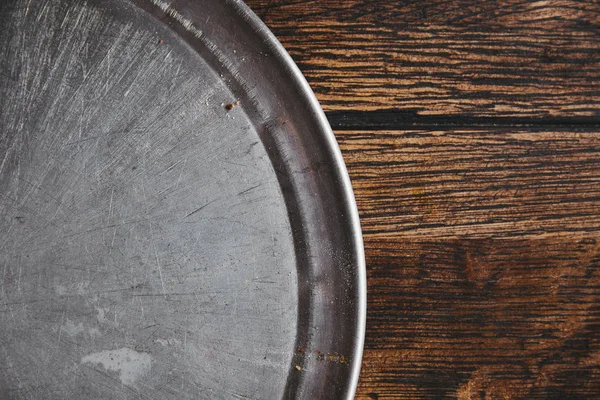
x: 452, y: 58
x: 471, y: 132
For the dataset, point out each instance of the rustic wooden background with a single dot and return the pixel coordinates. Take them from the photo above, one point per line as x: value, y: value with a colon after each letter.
x: 471, y: 132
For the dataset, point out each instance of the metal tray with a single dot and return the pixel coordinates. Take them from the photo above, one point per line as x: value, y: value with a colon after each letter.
x: 176, y: 221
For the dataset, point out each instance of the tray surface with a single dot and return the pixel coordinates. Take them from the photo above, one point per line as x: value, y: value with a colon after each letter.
x: 175, y: 217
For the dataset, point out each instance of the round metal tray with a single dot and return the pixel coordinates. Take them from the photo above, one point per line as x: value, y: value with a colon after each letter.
x: 176, y: 221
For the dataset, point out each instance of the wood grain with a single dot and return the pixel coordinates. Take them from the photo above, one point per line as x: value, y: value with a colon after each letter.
x: 483, y: 253
x: 481, y: 184
x: 482, y: 319
x: 509, y: 58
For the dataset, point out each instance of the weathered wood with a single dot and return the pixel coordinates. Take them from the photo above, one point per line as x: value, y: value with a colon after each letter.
x: 483, y: 253
x: 480, y: 184
x: 458, y: 59
x: 482, y: 319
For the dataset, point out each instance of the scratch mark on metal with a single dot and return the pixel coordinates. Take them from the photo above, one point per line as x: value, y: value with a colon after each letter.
x: 110, y: 205
x: 249, y: 189
x: 64, y: 19
x: 201, y: 208
x: 187, y: 24
x: 160, y: 274
x: 27, y: 8
x: 44, y: 9
x: 171, y: 167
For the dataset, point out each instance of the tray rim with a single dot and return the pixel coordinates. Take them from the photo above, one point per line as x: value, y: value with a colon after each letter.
x: 297, y: 79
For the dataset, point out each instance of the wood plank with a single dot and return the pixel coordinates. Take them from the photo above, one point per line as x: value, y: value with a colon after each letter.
x: 482, y: 319
x: 510, y: 58
x: 475, y: 183
x: 483, y: 262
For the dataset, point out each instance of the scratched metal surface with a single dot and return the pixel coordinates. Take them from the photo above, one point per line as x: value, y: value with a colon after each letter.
x: 154, y: 243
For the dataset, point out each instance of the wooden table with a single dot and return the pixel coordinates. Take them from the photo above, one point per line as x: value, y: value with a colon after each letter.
x: 471, y: 132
